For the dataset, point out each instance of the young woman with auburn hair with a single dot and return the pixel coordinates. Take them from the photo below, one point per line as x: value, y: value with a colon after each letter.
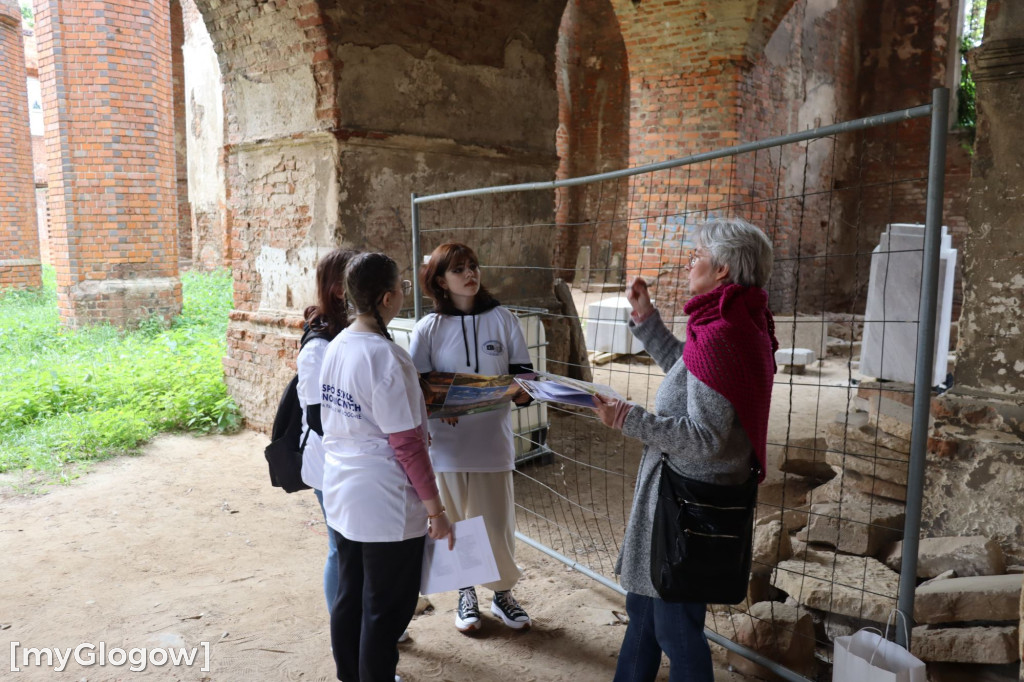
x: 474, y: 456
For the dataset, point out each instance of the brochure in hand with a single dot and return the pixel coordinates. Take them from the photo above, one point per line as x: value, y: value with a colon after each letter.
x: 454, y: 395
x: 557, y: 389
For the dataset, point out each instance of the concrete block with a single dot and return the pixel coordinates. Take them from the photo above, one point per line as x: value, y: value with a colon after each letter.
x: 864, y: 531
x: 965, y: 556
x: 778, y: 631
x: 854, y: 586
x: 988, y: 598
x: 795, y: 356
x: 990, y: 645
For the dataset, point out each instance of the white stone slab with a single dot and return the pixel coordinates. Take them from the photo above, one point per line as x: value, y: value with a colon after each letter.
x: 606, y: 327
x: 986, y: 597
x: 889, y: 349
x: 794, y: 356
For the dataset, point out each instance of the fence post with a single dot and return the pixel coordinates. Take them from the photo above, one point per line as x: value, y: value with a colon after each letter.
x: 925, y: 360
x: 416, y: 304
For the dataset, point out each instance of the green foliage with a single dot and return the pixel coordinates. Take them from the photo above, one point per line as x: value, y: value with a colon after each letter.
x: 69, y: 396
x: 973, y: 31
x: 26, y: 14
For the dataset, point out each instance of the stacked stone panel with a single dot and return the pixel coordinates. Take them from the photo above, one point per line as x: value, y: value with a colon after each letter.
x: 105, y: 72
x: 19, y: 241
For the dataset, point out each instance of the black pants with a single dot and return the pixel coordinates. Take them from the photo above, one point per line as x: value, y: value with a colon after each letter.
x: 379, y: 584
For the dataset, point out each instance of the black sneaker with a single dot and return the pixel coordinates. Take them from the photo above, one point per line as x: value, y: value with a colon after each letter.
x: 467, y: 617
x: 505, y: 606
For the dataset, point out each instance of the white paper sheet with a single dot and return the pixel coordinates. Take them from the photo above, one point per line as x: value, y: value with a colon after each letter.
x: 470, y: 563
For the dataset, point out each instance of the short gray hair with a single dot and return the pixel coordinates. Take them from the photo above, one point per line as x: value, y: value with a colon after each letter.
x: 742, y: 246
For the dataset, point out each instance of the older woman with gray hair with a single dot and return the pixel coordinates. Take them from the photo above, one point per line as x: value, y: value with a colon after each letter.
x: 709, y: 423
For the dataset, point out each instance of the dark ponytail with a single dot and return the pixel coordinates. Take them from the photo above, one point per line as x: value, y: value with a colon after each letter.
x: 330, y: 313
x: 367, y: 278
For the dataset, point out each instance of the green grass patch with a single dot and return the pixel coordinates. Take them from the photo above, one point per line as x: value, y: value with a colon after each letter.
x: 74, y: 396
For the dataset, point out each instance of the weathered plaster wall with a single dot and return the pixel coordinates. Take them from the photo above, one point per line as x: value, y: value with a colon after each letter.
x: 203, y: 103
x: 19, y: 241
x: 336, y: 113
x: 976, y: 451
x: 991, y: 346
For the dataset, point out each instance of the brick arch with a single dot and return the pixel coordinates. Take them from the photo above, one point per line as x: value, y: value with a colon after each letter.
x: 335, y: 112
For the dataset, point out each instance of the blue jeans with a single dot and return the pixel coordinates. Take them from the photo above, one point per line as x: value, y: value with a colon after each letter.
x: 655, y: 625
x: 331, y: 565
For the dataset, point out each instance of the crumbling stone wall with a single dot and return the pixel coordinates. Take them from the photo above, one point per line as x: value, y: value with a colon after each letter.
x: 110, y: 148
x: 19, y: 244
x: 976, y: 450
x: 336, y: 113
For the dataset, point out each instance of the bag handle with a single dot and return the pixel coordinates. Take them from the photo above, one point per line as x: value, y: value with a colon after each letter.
x: 888, y: 621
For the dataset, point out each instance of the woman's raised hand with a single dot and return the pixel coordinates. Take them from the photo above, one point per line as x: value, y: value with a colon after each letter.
x: 639, y: 297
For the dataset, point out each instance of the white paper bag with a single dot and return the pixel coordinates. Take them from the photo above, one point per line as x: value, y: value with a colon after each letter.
x: 867, y: 656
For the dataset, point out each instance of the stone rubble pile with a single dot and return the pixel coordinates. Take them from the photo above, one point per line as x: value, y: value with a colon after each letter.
x: 829, y: 562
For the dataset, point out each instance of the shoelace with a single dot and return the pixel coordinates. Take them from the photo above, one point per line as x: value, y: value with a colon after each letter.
x: 508, y: 604
x: 468, y: 601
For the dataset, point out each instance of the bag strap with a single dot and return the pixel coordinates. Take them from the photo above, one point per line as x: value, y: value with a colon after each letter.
x: 885, y: 637
x: 302, y: 446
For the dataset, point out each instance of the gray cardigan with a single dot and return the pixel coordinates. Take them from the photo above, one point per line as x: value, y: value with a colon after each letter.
x: 694, y: 426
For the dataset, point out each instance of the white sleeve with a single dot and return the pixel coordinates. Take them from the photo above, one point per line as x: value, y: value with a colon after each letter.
x: 309, y: 363
x: 518, y: 353
x: 397, y: 399
x: 419, y: 347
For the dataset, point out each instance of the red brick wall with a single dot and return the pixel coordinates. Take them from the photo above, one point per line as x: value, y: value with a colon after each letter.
x: 180, y: 143
x: 105, y: 70
x: 19, y: 241
x: 592, y: 77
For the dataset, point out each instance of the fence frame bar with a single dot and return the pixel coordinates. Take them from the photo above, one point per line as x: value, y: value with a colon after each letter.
x: 825, y: 131
x: 925, y: 363
x: 938, y: 111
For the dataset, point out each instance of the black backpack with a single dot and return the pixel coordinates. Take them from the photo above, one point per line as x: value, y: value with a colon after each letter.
x: 284, y: 454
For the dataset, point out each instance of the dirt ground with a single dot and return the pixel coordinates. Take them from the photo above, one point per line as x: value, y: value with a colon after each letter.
x: 189, y: 543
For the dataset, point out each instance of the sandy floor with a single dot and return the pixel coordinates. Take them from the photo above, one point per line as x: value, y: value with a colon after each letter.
x: 189, y: 543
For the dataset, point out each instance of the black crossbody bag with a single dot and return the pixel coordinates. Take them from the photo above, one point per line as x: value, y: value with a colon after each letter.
x: 702, y: 541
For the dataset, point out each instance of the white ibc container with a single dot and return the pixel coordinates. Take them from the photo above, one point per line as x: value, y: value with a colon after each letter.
x: 606, y: 327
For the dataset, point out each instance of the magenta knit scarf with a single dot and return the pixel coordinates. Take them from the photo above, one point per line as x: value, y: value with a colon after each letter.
x: 730, y: 346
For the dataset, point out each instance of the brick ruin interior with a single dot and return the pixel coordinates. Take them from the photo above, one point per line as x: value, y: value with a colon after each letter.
x: 257, y: 134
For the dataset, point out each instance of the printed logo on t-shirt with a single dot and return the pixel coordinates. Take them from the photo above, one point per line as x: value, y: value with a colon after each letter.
x: 341, y: 402
x: 493, y: 347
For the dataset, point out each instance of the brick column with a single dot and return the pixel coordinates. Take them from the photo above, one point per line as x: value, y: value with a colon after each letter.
x: 105, y: 72
x: 19, y: 240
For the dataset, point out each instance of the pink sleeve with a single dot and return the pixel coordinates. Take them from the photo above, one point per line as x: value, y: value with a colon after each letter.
x: 411, y: 452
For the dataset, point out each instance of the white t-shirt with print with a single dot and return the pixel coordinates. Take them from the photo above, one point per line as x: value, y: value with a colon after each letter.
x: 479, y: 442
x: 369, y: 389
x: 311, y: 359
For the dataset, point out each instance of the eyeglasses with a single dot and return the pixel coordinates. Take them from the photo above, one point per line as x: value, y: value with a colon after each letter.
x: 691, y: 257
x: 406, y: 287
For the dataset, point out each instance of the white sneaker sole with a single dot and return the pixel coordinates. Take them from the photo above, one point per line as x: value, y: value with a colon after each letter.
x: 514, y: 624
x: 467, y: 626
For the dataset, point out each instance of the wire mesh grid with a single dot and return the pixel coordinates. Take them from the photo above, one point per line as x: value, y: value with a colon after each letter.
x: 832, y: 505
